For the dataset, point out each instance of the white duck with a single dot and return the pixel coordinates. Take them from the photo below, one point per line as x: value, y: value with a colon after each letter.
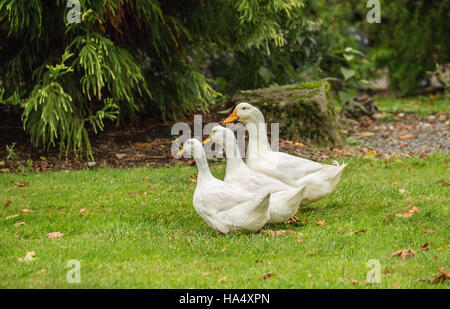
x: 224, y: 206
x: 290, y: 169
x: 284, y: 200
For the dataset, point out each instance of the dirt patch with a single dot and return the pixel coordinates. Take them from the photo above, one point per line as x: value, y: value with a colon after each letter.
x: 149, y: 144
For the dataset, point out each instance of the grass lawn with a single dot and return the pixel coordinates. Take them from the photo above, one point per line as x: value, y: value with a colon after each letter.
x: 420, y: 105
x: 156, y: 240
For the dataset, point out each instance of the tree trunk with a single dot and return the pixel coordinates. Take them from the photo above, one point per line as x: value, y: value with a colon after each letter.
x: 304, y: 111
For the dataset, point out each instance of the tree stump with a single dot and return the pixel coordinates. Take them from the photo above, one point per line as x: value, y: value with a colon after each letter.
x: 304, y: 111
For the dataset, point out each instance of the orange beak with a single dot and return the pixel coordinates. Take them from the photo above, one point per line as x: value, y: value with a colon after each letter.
x: 231, y: 118
x: 206, y: 140
x: 180, y: 152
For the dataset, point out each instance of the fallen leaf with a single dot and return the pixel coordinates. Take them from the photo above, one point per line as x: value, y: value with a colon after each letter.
x: 402, y: 191
x: 360, y: 231
x: 283, y: 232
x: 222, y: 279
x: 428, y: 231
x: 43, y: 271
x: 54, y: 235
x: 82, y: 211
x: 223, y: 250
x: 22, y: 184
x: 441, y: 278
x: 299, y: 240
x: 403, y: 254
x: 28, y: 257
x: 19, y: 223
x: 205, y: 273
x: 409, y: 213
x: 266, y: 276
x: 11, y: 217
x: 7, y: 202
x: 258, y: 261
x: 292, y: 220
x: 407, y: 136
x: 27, y: 211
x: 395, y: 286
x: 193, y: 178
x: 424, y: 247
x: 354, y: 282
x: 309, y: 275
x: 320, y: 222
x: 277, y: 232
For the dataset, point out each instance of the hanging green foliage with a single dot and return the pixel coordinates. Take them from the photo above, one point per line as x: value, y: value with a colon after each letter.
x: 124, y: 57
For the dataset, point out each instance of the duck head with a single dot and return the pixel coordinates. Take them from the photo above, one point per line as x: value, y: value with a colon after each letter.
x: 192, y: 147
x: 245, y: 113
x: 222, y: 136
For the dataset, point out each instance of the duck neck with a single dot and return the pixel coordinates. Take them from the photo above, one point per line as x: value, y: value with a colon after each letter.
x: 234, y: 160
x: 257, y: 134
x: 204, y: 173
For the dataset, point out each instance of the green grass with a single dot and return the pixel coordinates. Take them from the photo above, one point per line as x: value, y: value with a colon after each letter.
x: 422, y: 106
x: 158, y: 241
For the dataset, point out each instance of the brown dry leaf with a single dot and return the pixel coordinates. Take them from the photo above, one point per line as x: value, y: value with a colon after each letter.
x: 428, y: 231
x: 424, y: 247
x: 284, y: 232
x: 223, y: 250
x: 309, y: 275
x: 258, y: 261
x: 409, y: 213
x: 320, y: 222
x: 22, y: 184
x: 402, y: 191
x: 82, y: 211
x: 387, y: 218
x: 445, y: 164
x: 395, y: 286
x: 27, y: 211
x: 19, y: 223
x: 299, y: 240
x: 360, y: 231
x: 292, y: 220
x: 54, y: 235
x: 222, y: 279
x: 28, y: 257
x: 193, y: 178
x: 407, y: 136
x: 441, y: 278
x: 266, y: 276
x: 354, y: 282
x: 277, y: 232
x: 403, y: 254
x: 205, y: 273
x: 7, y: 203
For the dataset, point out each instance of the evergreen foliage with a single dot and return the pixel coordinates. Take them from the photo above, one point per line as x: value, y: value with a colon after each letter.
x: 125, y: 56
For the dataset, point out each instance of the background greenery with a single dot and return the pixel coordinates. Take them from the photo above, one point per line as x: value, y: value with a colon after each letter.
x: 130, y: 58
